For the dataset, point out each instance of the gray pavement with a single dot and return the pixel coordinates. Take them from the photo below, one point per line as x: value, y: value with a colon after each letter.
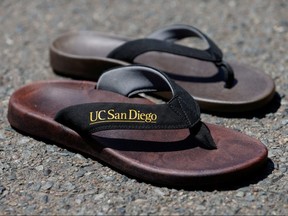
x: 40, y: 178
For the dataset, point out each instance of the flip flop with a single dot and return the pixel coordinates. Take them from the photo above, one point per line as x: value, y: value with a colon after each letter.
x: 215, y: 84
x: 164, y: 143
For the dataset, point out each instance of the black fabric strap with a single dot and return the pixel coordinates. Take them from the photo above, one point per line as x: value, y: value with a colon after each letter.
x: 93, y: 117
x: 162, y: 41
x: 131, y: 49
x: 177, y: 32
x: 178, y: 113
x: 133, y: 80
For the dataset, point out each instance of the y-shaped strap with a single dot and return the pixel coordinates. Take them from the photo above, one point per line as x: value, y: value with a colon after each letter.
x: 180, y: 112
x: 162, y: 41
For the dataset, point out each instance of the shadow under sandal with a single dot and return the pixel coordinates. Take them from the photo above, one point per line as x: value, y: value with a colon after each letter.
x: 163, y: 143
x: 215, y: 84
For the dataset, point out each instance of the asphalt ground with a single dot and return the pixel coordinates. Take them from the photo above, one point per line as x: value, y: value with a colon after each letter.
x: 41, y: 178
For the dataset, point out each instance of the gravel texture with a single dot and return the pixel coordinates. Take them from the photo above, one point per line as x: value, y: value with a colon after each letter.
x: 40, y: 178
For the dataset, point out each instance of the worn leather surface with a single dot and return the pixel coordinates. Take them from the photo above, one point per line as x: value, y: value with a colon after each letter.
x: 83, y: 55
x: 170, y: 157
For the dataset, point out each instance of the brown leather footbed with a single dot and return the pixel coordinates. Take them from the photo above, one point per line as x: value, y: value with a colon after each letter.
x: 83, y: 55
x: 167, y: 157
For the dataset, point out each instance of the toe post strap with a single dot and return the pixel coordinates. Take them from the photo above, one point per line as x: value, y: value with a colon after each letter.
x: 228, y: 73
